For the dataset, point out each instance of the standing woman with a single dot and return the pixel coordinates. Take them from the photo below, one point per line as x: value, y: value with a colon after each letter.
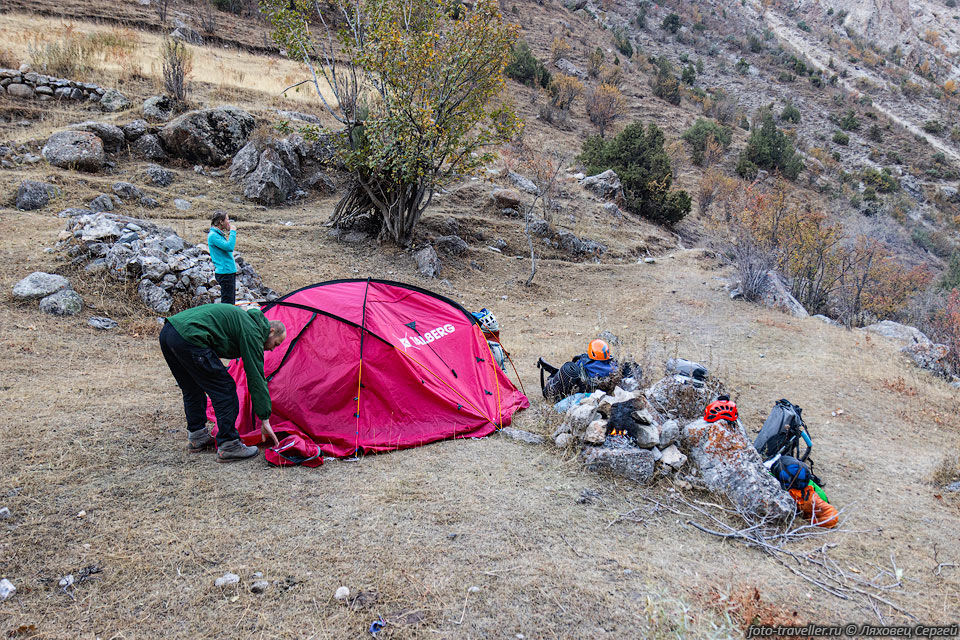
x: 220, y: 241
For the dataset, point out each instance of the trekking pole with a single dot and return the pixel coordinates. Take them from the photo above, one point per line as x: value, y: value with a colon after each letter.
x: 515, y: 371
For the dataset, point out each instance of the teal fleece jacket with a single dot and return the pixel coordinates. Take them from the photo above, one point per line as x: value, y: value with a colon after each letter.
x: 221, y: 250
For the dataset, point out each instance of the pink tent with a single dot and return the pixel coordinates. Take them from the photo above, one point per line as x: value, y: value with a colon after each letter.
x: 372, y: 365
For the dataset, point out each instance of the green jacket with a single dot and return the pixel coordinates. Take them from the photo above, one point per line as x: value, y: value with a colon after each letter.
x: 232, y: 333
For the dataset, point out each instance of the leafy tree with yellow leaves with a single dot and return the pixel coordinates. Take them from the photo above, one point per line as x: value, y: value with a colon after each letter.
x: 413, y: 84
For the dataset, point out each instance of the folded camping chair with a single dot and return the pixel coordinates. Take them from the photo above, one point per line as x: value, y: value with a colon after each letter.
x: 781, y: 435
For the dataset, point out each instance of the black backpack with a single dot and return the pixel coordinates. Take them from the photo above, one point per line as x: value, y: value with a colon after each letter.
x: 782, y: 432
x: 557, y: 383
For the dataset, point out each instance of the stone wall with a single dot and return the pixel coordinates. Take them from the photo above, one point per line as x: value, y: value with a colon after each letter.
x: 156, y: 258
x: 40, y: 87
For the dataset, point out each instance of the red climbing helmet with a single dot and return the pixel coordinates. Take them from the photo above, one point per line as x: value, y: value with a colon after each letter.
x: 721, y: 409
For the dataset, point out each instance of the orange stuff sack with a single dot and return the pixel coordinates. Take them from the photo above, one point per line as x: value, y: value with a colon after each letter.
x: 814, y: 508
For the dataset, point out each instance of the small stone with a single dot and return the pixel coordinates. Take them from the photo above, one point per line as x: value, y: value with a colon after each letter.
x: 181, y: 204
x: 4, y: 513
x: 563, y: 440
x: 66, y: 581
x: 104, y: 324
x: 81, y: 514
x: 669, y: 433
x: 149, y: 202
x: 259, y: 586
x: 673, y: 458
x: 65, y: 302
x: 596, y: 432
x: 226, y: 579
x: 113, y: 100
x: 649, y: 261
x: 473, y: 589
x: 6, y: 589
x: 342, y: 593
x: 519, y: 435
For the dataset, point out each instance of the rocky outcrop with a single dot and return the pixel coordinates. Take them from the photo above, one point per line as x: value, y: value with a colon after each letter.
x: 80, y: 150
x: 606, y: 185
x: 566, y: 241
x: 776, y: 294
x: 730, y: 466
x: 155, y: 258
x: 273, y: 171
x: 210, y: 136
x: 901, y: 333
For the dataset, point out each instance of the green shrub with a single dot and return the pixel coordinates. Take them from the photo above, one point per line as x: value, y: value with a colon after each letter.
x: 665, y: 84
x: 699, y: 27
x: 850, y: 121
x: 622, y: 41
x: 839, y: 137
x: 875, y: 133
x: 790, y: 114
x: 700, y: 133
x: 525, y: 68
x: 769, y: 148
x: 785, y: 76
x: 951, y: 277
x: 882, y: 181
x: 870, y: 194
x: 803, y: 26
x: 756, y: 44
x: 642, y: 18
x: 689, y: 75
x: 742, y: 66
x: 643, y: 166
x: 934, y: 126
x: 671, y: 23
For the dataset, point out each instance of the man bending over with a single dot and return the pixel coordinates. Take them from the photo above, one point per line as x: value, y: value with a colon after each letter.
x: 192, y: 342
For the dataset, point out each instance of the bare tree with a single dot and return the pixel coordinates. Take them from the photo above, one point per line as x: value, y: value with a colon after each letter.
x: 177, y: 63
x: 162, y: 7
x: 545, y: 168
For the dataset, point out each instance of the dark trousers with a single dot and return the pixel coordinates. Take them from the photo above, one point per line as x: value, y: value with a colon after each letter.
x: 199, y: 373
x: 228, y: 287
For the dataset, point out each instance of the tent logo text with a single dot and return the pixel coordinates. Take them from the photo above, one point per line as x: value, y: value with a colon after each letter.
x: 424, y: 339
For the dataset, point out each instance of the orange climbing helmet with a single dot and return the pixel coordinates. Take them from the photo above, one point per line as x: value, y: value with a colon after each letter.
x: 598, y: 350
x: 721, y: 409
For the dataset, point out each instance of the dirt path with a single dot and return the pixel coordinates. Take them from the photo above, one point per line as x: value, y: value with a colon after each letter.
x: 820, y: 58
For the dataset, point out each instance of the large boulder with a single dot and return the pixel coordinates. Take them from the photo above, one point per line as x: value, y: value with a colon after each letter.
x: 681, y: 398
x: 899, y: 332
x: 112, y: 100
x: 523, y: 183
x: 33, y: 195
x: 158, y: 109
x: 730, y: 466
x: 148, y: 147
x: 453, y: 245
x: 39, y: 285
x: 428, y: 263
x: 65, y: 302
x: 606, y: 185
x: 133, y: 130
x: 506, y: 198
x: 211, y: 136
x: 775, y: 294
x: 188, y: 35
x: 569, y: 68
x: 74, y: 150
x: 111, y: 135
x: 270, y: 183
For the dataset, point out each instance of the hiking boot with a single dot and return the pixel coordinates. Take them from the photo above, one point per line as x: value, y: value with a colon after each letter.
x: 233, y: 450
x: 200, y: 441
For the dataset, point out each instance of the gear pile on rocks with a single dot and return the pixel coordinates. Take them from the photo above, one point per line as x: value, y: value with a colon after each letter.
x: 645, y: 434
x: 162, y: 264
